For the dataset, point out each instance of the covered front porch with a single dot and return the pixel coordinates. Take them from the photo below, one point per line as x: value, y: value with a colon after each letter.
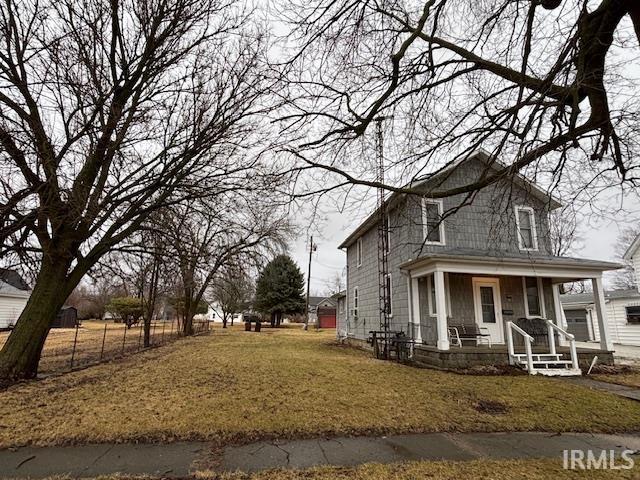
x: 491, y: 310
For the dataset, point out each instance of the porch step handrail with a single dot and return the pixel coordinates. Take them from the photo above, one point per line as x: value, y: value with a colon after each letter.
x: 528, y: 341
x: 569, y: 336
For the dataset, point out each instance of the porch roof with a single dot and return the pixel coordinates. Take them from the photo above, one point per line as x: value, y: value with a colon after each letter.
x: 497, y: 263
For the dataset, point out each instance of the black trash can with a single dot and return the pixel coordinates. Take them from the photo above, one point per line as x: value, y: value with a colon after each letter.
x: 247, y: 326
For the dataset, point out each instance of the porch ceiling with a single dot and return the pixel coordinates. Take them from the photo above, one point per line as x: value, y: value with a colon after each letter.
x: 559, y: 269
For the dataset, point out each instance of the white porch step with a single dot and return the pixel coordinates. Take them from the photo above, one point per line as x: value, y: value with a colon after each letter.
x: 522, y: 357
x: 559, y: 372
x: 548, y: 364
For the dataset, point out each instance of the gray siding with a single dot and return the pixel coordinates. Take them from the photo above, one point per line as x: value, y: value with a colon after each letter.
x: 487, y: 225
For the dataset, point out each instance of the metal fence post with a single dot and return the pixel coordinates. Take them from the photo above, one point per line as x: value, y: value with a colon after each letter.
x: 152, y: 335
x: 75, y: 341
x: 162, y: 336
x: 104, y: 337
x: 124, y: 337
x: 140, y: 334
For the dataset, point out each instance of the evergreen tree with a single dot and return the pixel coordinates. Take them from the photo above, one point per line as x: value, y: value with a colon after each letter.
x: 280, y: 289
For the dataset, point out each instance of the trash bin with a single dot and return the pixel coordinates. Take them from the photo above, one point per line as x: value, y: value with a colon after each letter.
x: 247, y: 326
x: 258, y: 326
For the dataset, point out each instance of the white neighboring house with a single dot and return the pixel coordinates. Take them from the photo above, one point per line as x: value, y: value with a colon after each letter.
x: 622, y: 309
x: 14, y: 294
x: 214, y: 314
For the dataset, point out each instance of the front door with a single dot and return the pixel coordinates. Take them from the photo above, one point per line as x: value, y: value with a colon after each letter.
x: 488, y: 310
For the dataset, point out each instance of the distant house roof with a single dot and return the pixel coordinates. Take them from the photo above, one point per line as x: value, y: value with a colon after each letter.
x: 580, y: 298
x: 633, y: 248
x: 7, y: 290
x: 479, y: 154
x: 13, y: 278
x: 315, y: 301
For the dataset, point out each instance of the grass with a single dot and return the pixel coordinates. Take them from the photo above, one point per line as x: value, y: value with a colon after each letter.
x: 57, y: 351
x: 474, y: 470
x: 240, y: 386
x: 631, y: 379
x: 627, y: 375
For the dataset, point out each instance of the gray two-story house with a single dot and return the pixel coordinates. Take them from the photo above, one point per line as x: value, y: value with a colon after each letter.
x: 475, y: 263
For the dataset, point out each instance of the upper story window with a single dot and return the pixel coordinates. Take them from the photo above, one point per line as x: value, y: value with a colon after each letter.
x: 359, y: 252
x: 526, y: 224
x: 533, y: 299
x: 432, y: 224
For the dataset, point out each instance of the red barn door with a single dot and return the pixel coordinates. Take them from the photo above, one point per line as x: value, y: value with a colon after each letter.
x: 327, y: 317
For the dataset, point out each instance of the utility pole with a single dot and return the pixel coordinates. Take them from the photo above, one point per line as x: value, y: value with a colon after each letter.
x: 312, y: 248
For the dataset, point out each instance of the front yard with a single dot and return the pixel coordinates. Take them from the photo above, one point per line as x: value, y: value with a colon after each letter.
x: 239, y: 386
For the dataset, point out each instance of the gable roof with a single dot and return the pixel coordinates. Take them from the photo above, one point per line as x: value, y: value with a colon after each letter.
x: 633, y: 248
x: 480, y: 154
x: 315, y: 301
x: 13, y: 278
x: 7, y: 290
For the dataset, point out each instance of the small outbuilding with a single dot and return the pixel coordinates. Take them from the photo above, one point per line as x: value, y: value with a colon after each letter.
x: 67, y: 318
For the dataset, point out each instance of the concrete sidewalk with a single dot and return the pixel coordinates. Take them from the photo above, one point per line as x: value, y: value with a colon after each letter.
x: 180, y: 459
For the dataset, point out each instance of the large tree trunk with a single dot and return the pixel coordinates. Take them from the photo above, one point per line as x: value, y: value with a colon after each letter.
x: 20, y: 355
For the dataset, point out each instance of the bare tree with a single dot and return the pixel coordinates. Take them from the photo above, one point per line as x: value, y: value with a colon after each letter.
x: 205, y: 236
x: 110, y: 110
x: 625, y: 278
x: 541, y: 84
x: 335, y: 284
x: 232, y: 291
x: 564, y: 231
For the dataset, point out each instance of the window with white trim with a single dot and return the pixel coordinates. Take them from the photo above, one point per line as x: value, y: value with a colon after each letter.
x: 355, y: 302
x: 359, y: 252
x: 388, y: 287
x: 432, y: 223
x: 533, y: 297
x: 526, y: 225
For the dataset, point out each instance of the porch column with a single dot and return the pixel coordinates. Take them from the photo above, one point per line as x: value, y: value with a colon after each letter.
x: 598, y: 295
x: 414, y: 296
x: 441, y: 311
x: 559, y: 313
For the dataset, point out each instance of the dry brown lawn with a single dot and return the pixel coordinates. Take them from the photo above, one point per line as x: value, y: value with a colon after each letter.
x: 57, y: 351
x: 241, y: 386
x: 628, y: 375
x: 631, y: 379
x: 475, y: 470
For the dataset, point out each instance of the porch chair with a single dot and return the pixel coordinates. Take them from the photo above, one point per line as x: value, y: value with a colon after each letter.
x: 461, y: 333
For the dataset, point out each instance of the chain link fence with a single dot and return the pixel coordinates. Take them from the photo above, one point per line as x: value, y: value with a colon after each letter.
x: 95, y: 341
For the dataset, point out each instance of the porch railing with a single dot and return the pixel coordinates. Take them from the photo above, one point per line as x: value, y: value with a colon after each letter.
x: 552, y: 327
x: 528, y: 341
